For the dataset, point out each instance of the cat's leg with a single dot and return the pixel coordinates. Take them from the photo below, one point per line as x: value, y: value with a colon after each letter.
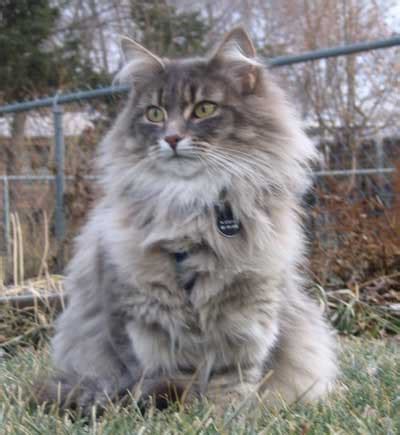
x: 88, y: 373
x: 88, y: 369
x: 236, y: 384
x: 117, y: 306
x: 303, y: 365
x: 248, y: 329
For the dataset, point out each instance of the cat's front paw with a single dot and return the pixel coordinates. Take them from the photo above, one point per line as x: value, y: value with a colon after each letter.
x: 70, y: 394
x: 161, y: 393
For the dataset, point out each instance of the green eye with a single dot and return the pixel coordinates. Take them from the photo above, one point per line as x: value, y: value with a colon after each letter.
x: 155, y: 114
x: 204, y: 109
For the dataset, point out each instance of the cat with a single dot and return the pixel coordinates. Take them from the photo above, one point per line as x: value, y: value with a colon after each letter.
x: 187, y: 271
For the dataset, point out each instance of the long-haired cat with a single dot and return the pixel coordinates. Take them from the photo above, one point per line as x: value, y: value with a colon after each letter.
x: 187, y: 271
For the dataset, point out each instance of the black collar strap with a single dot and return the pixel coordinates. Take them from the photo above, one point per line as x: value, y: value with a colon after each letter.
x: 180, y: 257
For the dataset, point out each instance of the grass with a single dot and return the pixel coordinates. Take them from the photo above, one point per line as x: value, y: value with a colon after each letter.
x: 366, y: 401
x: 351, y: 314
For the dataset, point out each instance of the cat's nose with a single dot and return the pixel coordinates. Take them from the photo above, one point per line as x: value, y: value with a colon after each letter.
x: 173, y: 140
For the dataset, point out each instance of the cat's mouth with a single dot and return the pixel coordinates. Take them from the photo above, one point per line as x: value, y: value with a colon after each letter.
x: 181, y: 164
x: 181, y: 156
x: 179, y: 160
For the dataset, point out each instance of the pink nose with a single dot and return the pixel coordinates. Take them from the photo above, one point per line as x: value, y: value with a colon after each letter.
x: 173, y: 140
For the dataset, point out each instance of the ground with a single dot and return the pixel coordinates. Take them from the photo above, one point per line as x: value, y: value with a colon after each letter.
x: 366, y: 401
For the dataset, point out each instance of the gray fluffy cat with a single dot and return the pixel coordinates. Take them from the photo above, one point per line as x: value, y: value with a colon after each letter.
x: 187, y: 270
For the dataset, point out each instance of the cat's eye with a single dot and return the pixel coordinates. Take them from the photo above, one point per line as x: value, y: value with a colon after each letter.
x: 155, y: 114
x: 204, y: 109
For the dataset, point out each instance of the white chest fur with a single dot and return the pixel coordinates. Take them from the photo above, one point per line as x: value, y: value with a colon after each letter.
x: 171, y: 329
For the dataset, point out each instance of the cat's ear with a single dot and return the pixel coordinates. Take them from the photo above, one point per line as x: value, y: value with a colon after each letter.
x: 139, y: 62
x: 236, y: 54
x: 238, y: 39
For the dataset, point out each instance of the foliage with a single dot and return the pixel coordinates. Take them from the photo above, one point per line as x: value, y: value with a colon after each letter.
x: 355, y: 254
x: 160, y: 27
x: 74, y: 67
x: 25, y: 26
x: 31, y: 62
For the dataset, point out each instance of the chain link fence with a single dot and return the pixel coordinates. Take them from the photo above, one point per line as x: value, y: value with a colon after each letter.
x: 45, y: 201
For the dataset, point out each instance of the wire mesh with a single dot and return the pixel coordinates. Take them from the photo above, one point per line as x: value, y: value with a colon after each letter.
x: 356, y: 192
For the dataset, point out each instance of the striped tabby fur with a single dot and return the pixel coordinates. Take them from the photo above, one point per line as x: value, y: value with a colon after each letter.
x: 130, y: 320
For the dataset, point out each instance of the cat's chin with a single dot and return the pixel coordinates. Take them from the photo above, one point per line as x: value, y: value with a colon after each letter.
x: 180, y: 167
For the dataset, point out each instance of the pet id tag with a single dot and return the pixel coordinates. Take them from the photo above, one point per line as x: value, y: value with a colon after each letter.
x: 227, y: 224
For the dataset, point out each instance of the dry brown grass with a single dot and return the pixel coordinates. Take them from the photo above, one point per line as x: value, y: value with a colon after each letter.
x: 355, y: 258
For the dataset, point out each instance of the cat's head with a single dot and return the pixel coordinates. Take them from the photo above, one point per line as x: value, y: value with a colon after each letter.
x: 207, y: 116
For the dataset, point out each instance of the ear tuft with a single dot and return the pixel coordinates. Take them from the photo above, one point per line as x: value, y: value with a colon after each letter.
x: 132, y: 50
x: 241, y: 38
x: 237, y: 54
x: 139, y: 62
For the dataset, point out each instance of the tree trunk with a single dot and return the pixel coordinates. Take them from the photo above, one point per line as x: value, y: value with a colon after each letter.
x: 103, y: 47
x: 15, y: 159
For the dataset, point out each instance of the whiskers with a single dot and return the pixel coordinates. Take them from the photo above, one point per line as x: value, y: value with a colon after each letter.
x: 253, y: 168
x: 236, y: 162
x: 156, y: 153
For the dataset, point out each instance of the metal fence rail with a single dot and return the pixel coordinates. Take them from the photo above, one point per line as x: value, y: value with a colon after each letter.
x: 58, y: 100
x: 343, y: 50
x: 273, y: 63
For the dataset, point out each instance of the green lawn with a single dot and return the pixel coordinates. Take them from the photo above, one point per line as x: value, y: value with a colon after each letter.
x: 367, y: 401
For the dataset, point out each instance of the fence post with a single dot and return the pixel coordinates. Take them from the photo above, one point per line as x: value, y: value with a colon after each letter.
x: 380, y: 162
x: 6, y: 214
x: 59, y: 157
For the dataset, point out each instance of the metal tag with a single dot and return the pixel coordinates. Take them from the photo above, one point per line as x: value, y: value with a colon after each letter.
x: 227, y: 224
